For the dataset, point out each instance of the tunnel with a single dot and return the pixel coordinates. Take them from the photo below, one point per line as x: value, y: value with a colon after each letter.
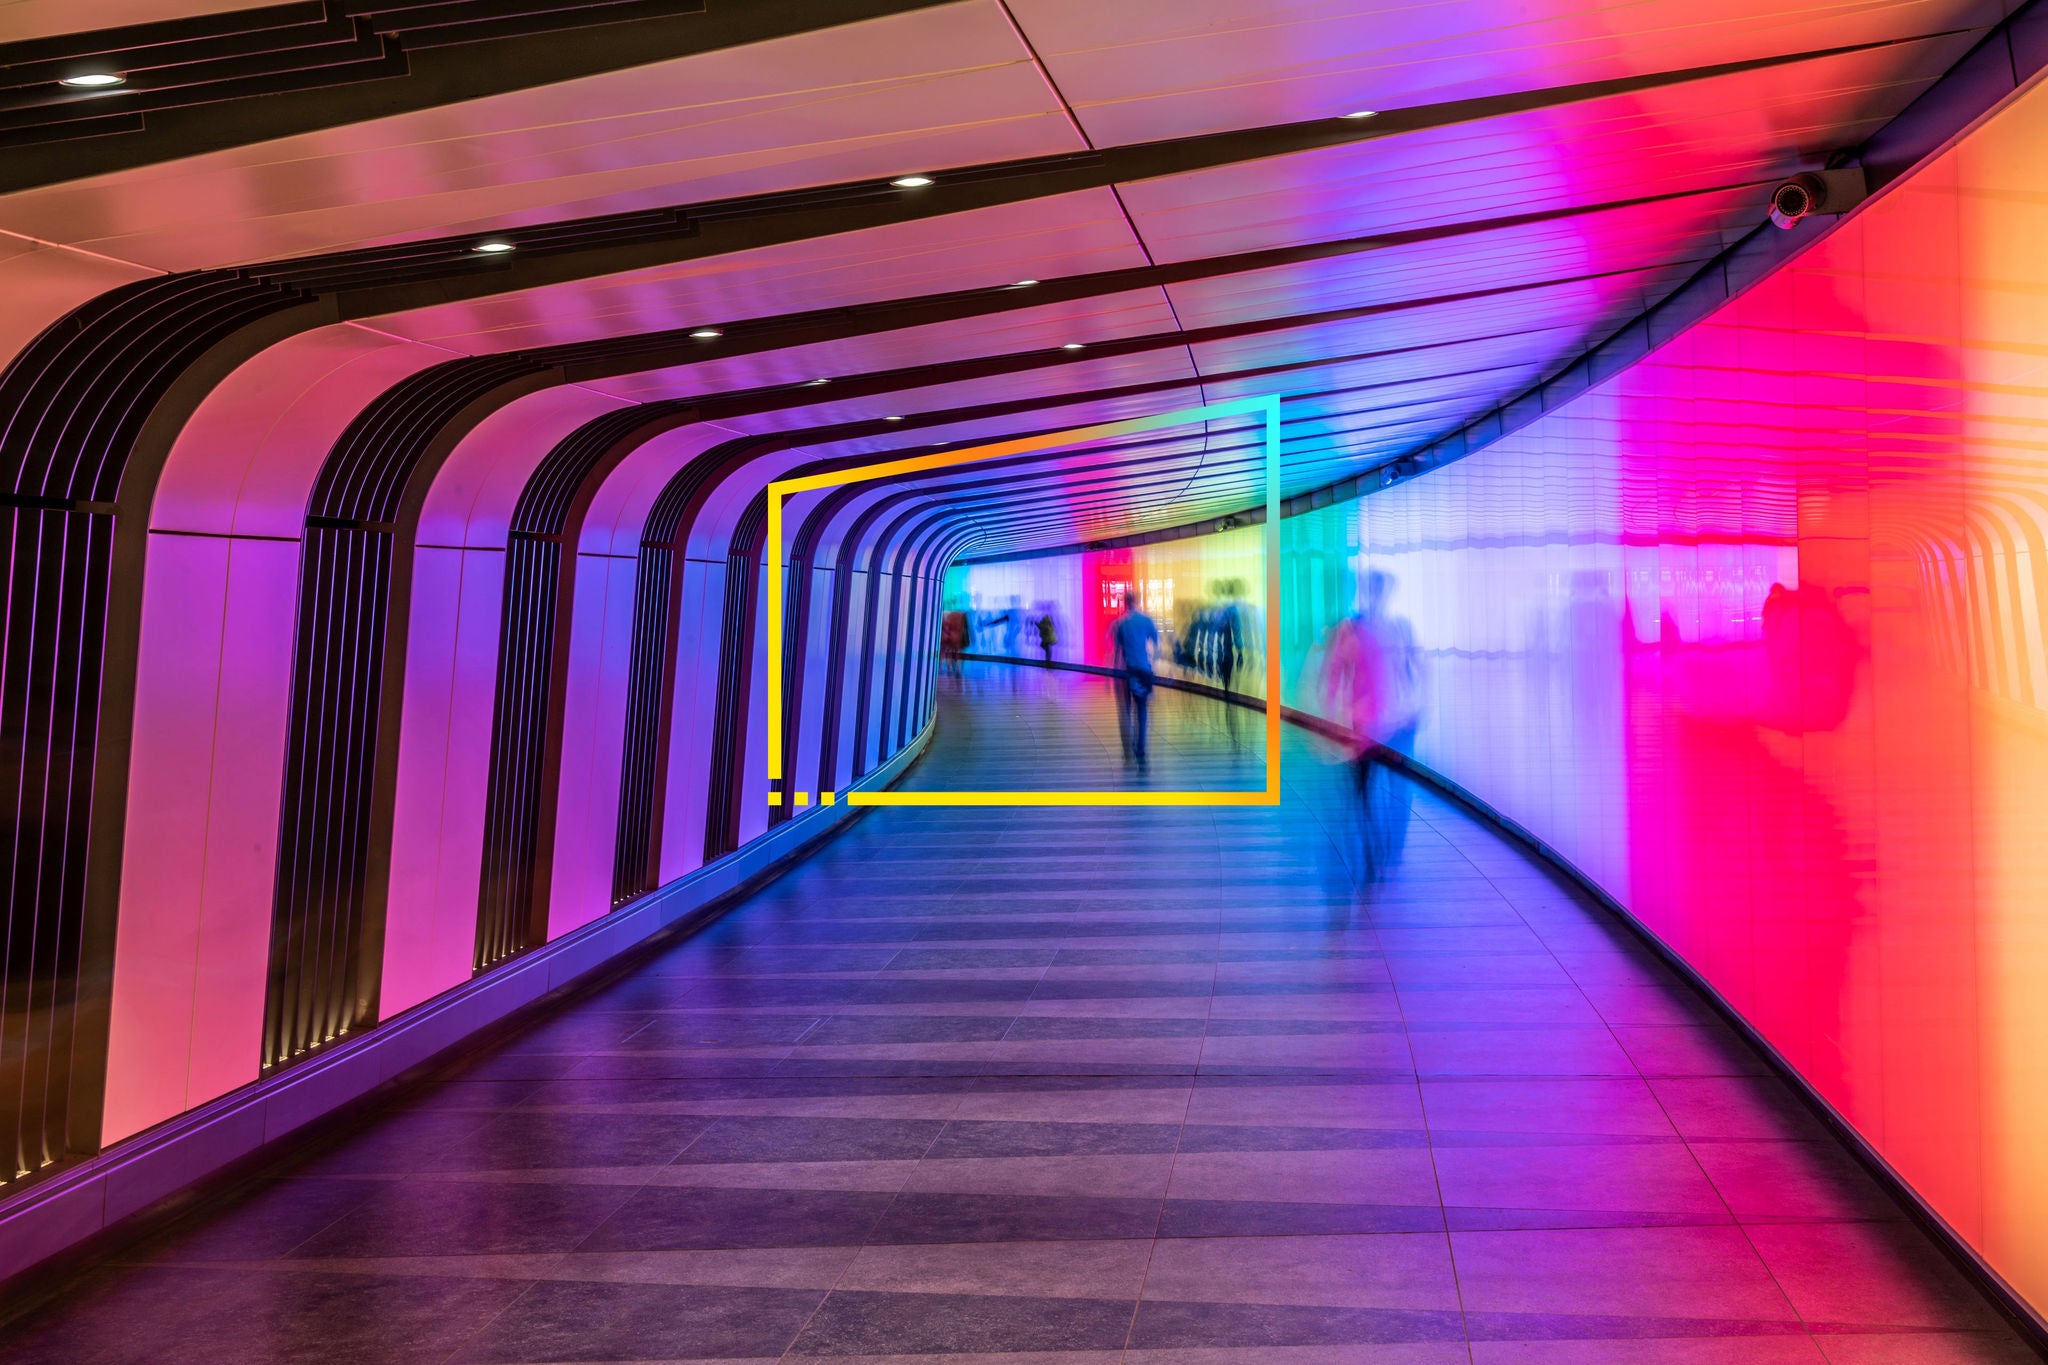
x: 1235, y: 682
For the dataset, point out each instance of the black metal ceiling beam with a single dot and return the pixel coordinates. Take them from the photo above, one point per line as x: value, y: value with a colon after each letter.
x: 211, y: 82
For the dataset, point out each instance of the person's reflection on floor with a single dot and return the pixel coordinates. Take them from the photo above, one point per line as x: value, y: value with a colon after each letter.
x: 1371, y: 687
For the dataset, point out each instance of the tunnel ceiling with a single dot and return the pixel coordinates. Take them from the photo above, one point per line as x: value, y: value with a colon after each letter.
x: 1133, y: 208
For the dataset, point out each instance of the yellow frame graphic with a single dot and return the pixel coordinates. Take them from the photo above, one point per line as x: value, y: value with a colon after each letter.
x: 1267, y: 407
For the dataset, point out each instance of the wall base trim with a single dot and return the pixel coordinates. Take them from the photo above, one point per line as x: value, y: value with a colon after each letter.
x: 86, y: 1209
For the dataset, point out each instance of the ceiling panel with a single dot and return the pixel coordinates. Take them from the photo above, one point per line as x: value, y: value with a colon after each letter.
x: 1067, y: 234
x: 21, y: 20
x: 1136, y: 72
x: 1621, y: 239
x: 1755, y: 127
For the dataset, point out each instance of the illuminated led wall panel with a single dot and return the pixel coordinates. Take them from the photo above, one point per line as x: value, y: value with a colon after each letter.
x: 1754, y: 633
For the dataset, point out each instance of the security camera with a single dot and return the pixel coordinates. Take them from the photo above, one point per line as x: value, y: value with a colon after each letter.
x: 1835, y: 191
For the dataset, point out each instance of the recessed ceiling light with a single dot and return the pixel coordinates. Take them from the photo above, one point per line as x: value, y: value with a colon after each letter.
x: 815, y: 382
x: 892, y: 418
x: 707, y: 334
x: 94, y: 80
x: 1073, y: 346
x: 1023, y: 284
x: 911, y: 182
x: 1364, y: 113
x: 491, y: 248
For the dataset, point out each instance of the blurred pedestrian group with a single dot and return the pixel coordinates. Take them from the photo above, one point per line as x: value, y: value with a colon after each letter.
x: 1006, y: 631
x: 1213, y: 643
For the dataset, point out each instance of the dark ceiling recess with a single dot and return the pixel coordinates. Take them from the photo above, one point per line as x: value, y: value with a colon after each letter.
x: 178, y: 63
x: 312, y: 64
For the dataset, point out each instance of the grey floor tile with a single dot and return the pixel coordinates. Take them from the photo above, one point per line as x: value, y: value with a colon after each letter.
x: 860, y: 1322
x: 940, y: 1217
x: 557, y: 1321
x: 657, y: 1219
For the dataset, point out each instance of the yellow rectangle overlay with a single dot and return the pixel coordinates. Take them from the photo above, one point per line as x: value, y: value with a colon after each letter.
x: 1267, y: 408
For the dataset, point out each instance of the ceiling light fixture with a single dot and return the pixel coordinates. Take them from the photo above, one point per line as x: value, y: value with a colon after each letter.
x: 892, y: 418
x: 492, y: 248
x: 1364, y: 113
x: 815, y: 382
x: 707, y: 334
x: 94, y: 80
x: 1073, y: 346
x: 1023, y: 284
x: 911, y: 182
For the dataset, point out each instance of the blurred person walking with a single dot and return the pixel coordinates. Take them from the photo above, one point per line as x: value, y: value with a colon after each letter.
x: 1228, y: 626
x: 1371, y: 686
x: 1048, y: 633
x: 1013, y: 628
x: 1134, y: 640
x: 952, y: 640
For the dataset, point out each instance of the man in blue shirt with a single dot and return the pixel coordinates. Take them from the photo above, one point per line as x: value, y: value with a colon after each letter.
x: 1135, y: 641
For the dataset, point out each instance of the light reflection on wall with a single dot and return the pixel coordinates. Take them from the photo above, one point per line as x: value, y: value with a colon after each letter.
x: 1754, y: 634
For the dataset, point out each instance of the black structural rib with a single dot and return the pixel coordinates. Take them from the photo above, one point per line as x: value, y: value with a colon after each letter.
x: 901, y: 602
x: 659, y: 595
x: 733, y: 677
x: 658, y: 592
x: 78, y: 395
x: 98, y: 398
x: 796, y: 623
x: 533, y: 659
x: 726, y: 789
x: 341, y: 750
x: 312, y: 64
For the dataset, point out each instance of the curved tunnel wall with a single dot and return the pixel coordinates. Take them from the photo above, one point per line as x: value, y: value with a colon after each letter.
x: 210, y: 948
x: 1756, y: 633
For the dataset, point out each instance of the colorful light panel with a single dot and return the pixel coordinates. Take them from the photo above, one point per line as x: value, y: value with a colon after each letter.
x: 1754, y: 633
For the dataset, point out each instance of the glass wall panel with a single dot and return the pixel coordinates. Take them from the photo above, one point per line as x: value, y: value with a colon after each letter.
x: 1753, y: 633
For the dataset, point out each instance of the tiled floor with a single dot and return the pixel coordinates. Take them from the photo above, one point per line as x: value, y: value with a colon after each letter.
x: 1076, y: 1087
